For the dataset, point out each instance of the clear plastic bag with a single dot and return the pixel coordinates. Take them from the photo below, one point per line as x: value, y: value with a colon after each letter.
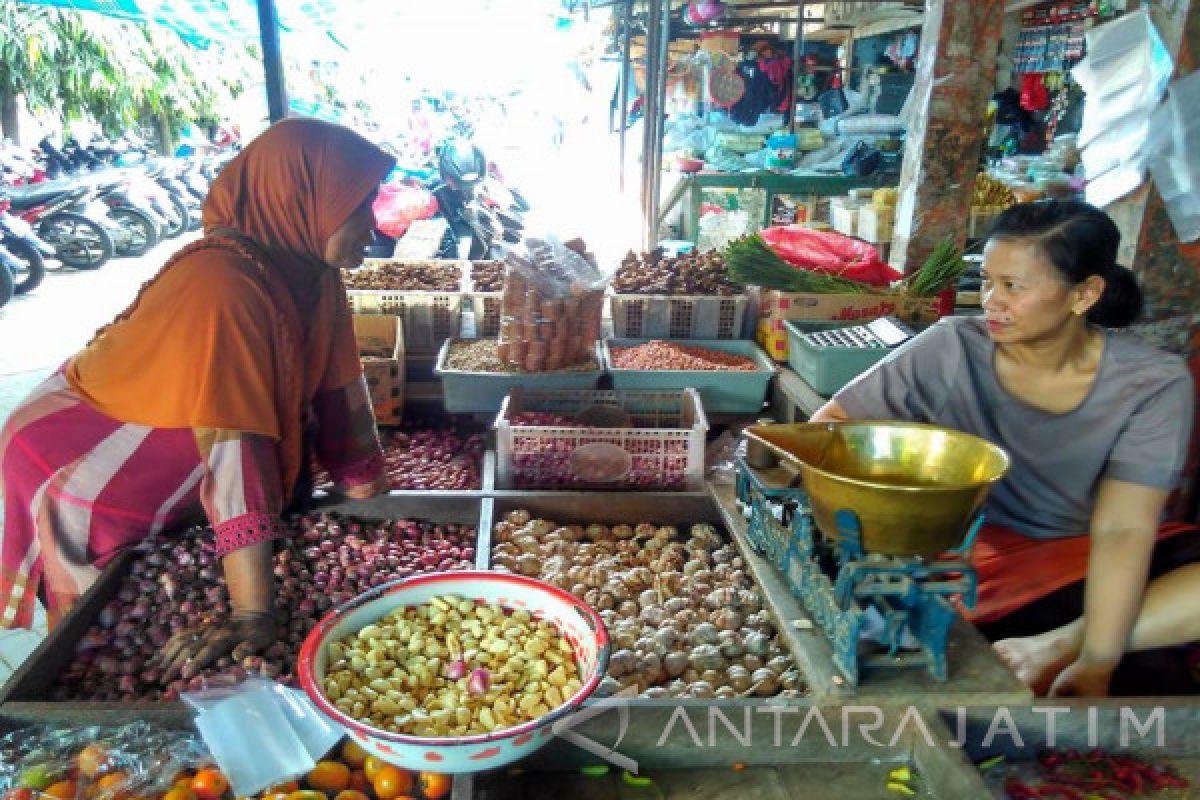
x: 261, y: 733
x: 552, y: 306
x: 1173, y: 155
x: 98, y: 763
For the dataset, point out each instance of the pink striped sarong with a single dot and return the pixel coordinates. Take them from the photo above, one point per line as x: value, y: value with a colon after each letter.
x: 78, y: 487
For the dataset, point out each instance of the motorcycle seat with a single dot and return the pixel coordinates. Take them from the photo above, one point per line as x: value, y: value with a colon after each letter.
x: 26, y: 197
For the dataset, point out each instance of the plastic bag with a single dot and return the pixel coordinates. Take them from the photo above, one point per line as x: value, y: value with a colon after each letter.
x: 551, y: 308
x: 95, y: 762
x: 825, y: 251
x: 1172, y: 155
x: 261, y: 733
x: 397, y: 206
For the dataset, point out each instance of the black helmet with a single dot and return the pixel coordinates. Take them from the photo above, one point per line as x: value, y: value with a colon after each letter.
x: 461, y: 164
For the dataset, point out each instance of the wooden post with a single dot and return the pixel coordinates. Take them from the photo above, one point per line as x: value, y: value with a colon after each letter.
x: 1168, y: 269
x: 956, y: 69
x: 268, y: 31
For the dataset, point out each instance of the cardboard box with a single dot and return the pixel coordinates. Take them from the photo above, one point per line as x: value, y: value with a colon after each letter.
x: 380, y: 340
x: 875, y: 225
x: 773, y: 343
x: 843, y: 217
x: 776, y: 307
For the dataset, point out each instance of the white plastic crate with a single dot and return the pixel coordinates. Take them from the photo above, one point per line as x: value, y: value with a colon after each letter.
x: 485, y: 309
x: 430, y: 318
x: 656, y: 316
x: 665, y: 446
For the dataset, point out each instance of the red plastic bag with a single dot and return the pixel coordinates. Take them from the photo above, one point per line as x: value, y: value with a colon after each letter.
x: 826, y: 251
x: 397, y: 206
x: 1034, y: 96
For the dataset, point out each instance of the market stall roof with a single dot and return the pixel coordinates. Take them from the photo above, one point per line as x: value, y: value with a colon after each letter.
x: 203, y: 21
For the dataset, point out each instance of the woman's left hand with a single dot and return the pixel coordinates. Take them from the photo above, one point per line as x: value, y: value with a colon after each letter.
x: 1082, y: 679
x: 192, y: 649
x: 364, y: 490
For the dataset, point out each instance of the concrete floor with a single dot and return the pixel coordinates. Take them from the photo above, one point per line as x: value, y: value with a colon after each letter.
x: 38, y: 332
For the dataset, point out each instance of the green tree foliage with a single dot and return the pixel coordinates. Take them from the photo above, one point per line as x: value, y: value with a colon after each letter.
x: 121, y: 74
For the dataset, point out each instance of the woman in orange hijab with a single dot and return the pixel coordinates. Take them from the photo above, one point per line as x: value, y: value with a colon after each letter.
x: 201, y: 395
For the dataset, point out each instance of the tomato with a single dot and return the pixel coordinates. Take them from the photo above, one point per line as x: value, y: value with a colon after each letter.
x: 351, y: 794
x: 371, y: 767
x: 63, y: 790
x: 92, y: 760
x: 308, y: 794
x: 209, y: 784
x: 110, y: 786
x: 178, y: 792
x: 359, y: 782
x: 330, y: 777
x: 391, y: 782
x: 287, y: 787
x: 353, y: 754
x: 434, y: 785
x: 19, y: 794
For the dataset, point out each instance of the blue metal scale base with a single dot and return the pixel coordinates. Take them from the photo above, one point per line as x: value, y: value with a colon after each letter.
x: 877, y: 611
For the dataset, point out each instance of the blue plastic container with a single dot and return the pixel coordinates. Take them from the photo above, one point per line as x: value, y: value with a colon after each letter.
x: 828, y: 369
x: 722, y: 392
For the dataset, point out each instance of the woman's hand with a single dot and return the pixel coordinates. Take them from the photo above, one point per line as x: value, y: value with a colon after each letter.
x: 364, y: 490
x: 192, y: 649
x: 1083, y: 679
x: 249, y: 628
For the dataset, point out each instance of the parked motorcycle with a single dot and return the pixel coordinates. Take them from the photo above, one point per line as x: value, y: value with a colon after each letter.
x: 132, y: 222
x: 80, y: 240
x: 27, y: 250
x: 7, y: 284
x: 484, y: 216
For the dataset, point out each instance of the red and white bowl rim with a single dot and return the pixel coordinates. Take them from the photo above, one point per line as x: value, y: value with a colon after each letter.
x: 317, y: 637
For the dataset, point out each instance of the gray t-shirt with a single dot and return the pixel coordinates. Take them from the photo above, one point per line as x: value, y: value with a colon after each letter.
x: 1133, y: 425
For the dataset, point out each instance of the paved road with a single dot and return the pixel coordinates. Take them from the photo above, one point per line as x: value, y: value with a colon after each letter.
x: 40, y: 330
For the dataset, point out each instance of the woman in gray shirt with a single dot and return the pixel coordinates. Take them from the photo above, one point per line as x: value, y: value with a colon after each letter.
x: 1097, y: 425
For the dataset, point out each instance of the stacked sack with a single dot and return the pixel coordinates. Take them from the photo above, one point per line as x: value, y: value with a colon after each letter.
x: 552, y: 304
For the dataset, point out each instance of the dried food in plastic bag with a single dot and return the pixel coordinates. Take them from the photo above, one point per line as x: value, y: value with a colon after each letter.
x: 551, y: 305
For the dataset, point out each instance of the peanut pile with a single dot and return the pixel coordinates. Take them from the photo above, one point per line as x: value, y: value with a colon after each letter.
x: 662, y: 355
x: 451, y: 668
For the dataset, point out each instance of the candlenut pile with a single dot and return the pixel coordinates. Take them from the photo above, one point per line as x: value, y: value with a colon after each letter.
x: 451, y: 668
x: 685, y: 618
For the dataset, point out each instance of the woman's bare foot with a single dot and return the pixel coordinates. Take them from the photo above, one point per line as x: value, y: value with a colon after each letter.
x: 1037, y: 660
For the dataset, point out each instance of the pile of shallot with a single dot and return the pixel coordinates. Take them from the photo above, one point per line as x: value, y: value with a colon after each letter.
x: 436, y: 457
x: 176, y: 582
x: 685, y: 618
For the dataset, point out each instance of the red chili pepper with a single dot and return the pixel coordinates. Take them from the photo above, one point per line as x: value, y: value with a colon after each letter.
x: 1095, y: 755
x: 1072, y: 755
x: 1016, y: 790
x: 1049, y: 790
x: 1050, y: 760
x: 1177, y: 781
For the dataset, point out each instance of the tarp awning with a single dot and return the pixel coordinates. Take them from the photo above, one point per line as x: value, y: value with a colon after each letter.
x: 202, y: 21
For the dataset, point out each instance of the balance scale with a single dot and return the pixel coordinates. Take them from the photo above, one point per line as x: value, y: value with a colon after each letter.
x: 847, y: 591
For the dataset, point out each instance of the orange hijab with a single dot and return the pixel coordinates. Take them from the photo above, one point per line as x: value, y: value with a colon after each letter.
x: 241, y: 329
